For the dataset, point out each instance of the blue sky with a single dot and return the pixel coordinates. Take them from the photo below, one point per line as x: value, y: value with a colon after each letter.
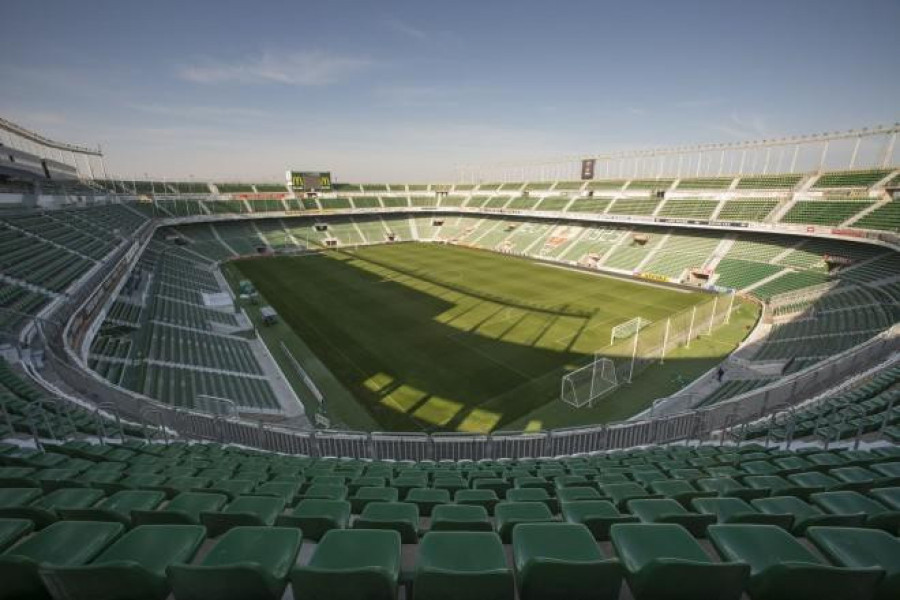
x: 405, y: 91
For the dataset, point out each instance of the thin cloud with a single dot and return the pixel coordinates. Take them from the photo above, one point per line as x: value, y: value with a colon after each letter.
x: 699, y: 103
x: 408, y: 96
x: 297, y: 69
x: 200, y: 112
x: 744, y: 127
x: 407, y: 29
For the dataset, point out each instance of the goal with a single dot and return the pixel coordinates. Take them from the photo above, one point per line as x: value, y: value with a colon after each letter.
x: 585, y: 385
x: 627, y: 329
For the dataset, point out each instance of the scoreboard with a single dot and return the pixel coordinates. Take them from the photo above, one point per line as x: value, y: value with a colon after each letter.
x: 310, y: 181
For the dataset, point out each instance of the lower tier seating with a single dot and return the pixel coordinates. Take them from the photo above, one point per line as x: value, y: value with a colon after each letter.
x: 204, y: 520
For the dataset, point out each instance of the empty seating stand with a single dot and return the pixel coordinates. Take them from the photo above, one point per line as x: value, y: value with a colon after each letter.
x: 709, y: 521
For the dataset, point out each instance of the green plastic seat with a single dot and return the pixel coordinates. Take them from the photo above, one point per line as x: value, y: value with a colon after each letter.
x: 405, y: 484
x: 365, y: 481
x: 315, y: 517
x: 577, y: 494
x: 510, y: 514
x: 365, y: 495
x: 890, y: 497
x: 826, y: 459
x: 597, y: 515
x: 804, y: 514
x: 66, y: 543
x: 486, y: 498
x: 402, y: 517
x: 679, y: 490
x: 498, y: 484
x: 462, y: 565
x: 133, y: 566
x: 243, y: 511
x: 664, y: 562
x: 323, y: 491
x: 776, y: 485
x: 853, y: 503
x: 561, y: 561
x: 328, y: 480
x: 175, y: 485
x: 45, y: 510
x: 688, y: 474
x: 184, y: 509
x: 621, y: 493
x: 351, y: 564
x: 781, y: 567
x: 13, y: 497
x: 17, y: 477
x: 58, y: 478
x: 730, y: 487
x: 887, y: 469
x: 285, y: 490
x: 736, y: 511
x: 792, y: 464
x: 11, y: 530
x: 117, y: 507
x: 608, y: 478
x: 862, y: 477
x: 451, y: 483
x: 570, y: 481
x: 667, y: 510
x: 537, y: 495
x: 247, y: 563
x: 862, y: 549
x: 530, y: 481
x: 232, y: 488
x: 816, y: 481
x: 141, y: 481
x: 460, y: 517
x: 101, y: 478
x: 426, y: 499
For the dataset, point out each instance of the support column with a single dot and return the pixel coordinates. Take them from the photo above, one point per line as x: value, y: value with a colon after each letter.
x: 824, y: 154
x: 633, y: 354
x: 855, y: 152
x: 662, y: 356
x: 730, y: 307
x: 691, y: 327
x: 888, y: 151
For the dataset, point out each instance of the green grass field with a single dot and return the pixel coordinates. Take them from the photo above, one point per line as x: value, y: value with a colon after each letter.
x: 443, y: 338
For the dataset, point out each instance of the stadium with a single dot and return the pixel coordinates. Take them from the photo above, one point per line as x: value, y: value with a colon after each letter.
x: 666, y: 372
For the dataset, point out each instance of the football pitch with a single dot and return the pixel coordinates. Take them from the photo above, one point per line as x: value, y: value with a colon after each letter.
x: 426, y: 337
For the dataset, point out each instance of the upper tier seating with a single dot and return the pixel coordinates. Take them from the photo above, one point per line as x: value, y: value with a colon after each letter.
x: 885, y: 217
x: 705, y: 183
x: 650, y: 184
x: 750, y: 209
x: 774, y: 182
x: 688, y: 208
x: 823, y: 212
x: 844, y: 179
x: 234, y: 188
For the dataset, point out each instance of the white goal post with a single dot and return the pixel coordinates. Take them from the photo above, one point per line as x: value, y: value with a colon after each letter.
x: 585, y: 385
x: 627, y: 329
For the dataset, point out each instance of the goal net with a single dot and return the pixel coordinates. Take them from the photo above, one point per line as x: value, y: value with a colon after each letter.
x: 627, y: 329
x: 585, y: 385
